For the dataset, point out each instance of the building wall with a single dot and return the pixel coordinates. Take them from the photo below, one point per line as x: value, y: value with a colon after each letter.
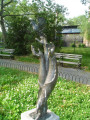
x: 68, y: 39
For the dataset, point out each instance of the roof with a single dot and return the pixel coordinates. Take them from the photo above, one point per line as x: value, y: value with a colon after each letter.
x: 70, y: 30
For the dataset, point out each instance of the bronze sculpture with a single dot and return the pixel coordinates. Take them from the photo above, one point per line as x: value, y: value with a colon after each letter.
x: 47, y: 71
x: 47, y: 76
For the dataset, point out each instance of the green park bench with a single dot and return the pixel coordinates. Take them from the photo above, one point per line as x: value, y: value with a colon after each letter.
x: 7, y: 53
x: 73, y: 59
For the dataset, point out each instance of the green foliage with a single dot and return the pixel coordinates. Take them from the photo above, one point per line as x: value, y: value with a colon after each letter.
x: 20, y: 32
x: 18, y: 38
x: 54, y: 16
x: 88, y: 31
x: 81, y: 20
x: 73, y: 45
x: 83, y: 24
x: 82, y: 45
x: 19, y: 91
x: 0, y: 36
x: 84, y: 1
x: 30, y: 58
x: 1, y: 43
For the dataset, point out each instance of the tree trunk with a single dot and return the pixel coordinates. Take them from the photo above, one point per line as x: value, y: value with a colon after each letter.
x: 2, y: 22
x: 3, y: 30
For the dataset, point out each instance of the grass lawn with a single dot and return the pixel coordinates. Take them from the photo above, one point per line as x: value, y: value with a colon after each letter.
x: 18, y: 93
x: 82, y: 51
x: 29, y: 58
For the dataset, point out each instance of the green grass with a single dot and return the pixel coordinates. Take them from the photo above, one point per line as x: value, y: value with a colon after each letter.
x: 30, y: 58
x: 18, y: 93
x: 82, y: 51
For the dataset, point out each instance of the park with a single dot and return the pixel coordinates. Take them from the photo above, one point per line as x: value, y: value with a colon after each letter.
x: 44, y: 62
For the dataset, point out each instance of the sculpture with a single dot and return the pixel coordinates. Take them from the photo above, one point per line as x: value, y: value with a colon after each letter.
x: 47, y: 71
x: 47, y: 76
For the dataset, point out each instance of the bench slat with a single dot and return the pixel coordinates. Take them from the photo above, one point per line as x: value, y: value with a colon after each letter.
x: 62, y: 56
x: 8, y: 50
x: 70, y: 62
x: 7, y: 53
x: 70, y: 55
x: 71, y: 58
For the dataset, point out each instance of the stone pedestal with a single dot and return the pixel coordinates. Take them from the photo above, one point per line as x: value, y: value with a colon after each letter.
x: 49, y: 116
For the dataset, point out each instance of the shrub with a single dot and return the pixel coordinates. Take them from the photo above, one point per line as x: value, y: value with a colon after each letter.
x: 20, y: 35
x: 73, y: 45
x: 82, y: 45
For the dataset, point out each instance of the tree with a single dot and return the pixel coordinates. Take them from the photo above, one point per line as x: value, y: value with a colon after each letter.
x: 83, y: 24
x: 17, y: 34
x: 83, y: 1
x: 54, y: 17
x: 77, y: 20
x: 0, y: 36
x: 88, y: 31
x: 81, y: 21
x: 51, y: 12
x: 4, y: 5
x: 7, y: 9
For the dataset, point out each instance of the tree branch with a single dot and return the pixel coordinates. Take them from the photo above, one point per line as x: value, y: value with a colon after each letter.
x: 7, y: 3
x: 18, y: 15
x: 84, y: 1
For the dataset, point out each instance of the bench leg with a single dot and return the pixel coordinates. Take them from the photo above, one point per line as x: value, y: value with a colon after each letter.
x: 12, y: 57
x: 62, y: 60
x: 62, y: 64
x: 1, y: 57
x: 79, y: 66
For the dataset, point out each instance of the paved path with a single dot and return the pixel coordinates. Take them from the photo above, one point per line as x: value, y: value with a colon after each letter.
x: 67, y: 73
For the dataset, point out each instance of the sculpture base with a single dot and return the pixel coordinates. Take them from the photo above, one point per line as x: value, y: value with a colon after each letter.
x: 31, y: 115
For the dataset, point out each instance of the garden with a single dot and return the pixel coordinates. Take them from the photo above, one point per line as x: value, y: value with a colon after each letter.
x: 21, y: 23
x: 18, y: 93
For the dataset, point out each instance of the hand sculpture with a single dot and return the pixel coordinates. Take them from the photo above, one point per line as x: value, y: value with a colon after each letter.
x: 47, y: 76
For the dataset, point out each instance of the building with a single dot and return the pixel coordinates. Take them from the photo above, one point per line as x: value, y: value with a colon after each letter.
x: 71, y: 34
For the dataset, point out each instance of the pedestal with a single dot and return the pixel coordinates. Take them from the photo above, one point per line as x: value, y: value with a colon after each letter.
x: 49, y: 116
